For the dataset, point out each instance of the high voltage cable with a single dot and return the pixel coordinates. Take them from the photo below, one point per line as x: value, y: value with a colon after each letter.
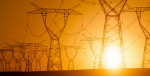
x: 89, y: 2
x: 84, y: 55
x: 135, y: 56
x: 82, y: 60
x: 137, y: 38
x: 59, y: 8
x: 84, y: 27
x: 145, y: 20
x: 26, y: 29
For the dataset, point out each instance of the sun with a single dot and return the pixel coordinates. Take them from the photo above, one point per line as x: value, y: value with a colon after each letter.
x: 113, y: 59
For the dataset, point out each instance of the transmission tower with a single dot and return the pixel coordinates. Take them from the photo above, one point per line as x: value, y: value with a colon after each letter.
x: 72, y: 57
x: 29, y: 56
x: 2, y: 60
x: 95, y: 53
x: 18, y: 58
x: 54, y: 58
x: 7, y: 58
x: 39, y: 55
x: 112, y: 31
x: 146, y: 53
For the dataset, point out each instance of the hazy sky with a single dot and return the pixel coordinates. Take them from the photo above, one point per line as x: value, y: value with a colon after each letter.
x: 13, y: 22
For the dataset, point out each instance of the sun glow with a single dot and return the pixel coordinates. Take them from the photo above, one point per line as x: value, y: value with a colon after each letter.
x: 113, y: 59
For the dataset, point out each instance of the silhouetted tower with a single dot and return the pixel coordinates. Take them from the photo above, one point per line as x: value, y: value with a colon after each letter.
x: 29, y: 55
x: 2, y: 60
x: 54, y: 58
x: 146, y: 53
x: 95, y: 52
x: 39, y: 55
x: 71, y: 55
x: 7, y: 58
x: 112, y: 31
x: 18, y: 58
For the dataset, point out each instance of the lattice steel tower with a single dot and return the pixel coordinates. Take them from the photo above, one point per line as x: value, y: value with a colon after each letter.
x: 54, y: 58
x: 94, y: 51
x: 146, y: 53
x: 8, y: 56
x: 70, y: 56
x: 112, y: 34
x: 16, y: 55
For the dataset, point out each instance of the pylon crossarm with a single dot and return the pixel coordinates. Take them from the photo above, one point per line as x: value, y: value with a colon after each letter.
x: 51, y: 10
x: 129, y: 10
x: 137, y: 9
x: 71, y: 12
x: 91, y: 38
x: 142, y: 9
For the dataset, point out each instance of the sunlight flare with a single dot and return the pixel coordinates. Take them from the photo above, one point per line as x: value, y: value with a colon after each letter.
x: 113, y: 58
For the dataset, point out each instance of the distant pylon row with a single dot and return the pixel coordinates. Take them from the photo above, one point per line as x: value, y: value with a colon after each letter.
x: 29, y: 52
x: 22, y: 51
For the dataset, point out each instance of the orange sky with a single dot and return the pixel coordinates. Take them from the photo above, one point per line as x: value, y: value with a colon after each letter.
x: 13, y: 22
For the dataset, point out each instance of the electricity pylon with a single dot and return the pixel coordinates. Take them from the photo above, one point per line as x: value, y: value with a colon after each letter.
x: 146, y: 53
x: 112, y: 31
x: 2, y: 60
x: 39, y: 55
x: 7, y: 58
x: 54, y: 58
x: 18, y: 58
x: 95, y: 53
x: 72, y: 57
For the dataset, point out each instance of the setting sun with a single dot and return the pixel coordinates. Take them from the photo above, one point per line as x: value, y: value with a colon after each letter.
x: 113, y: 58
